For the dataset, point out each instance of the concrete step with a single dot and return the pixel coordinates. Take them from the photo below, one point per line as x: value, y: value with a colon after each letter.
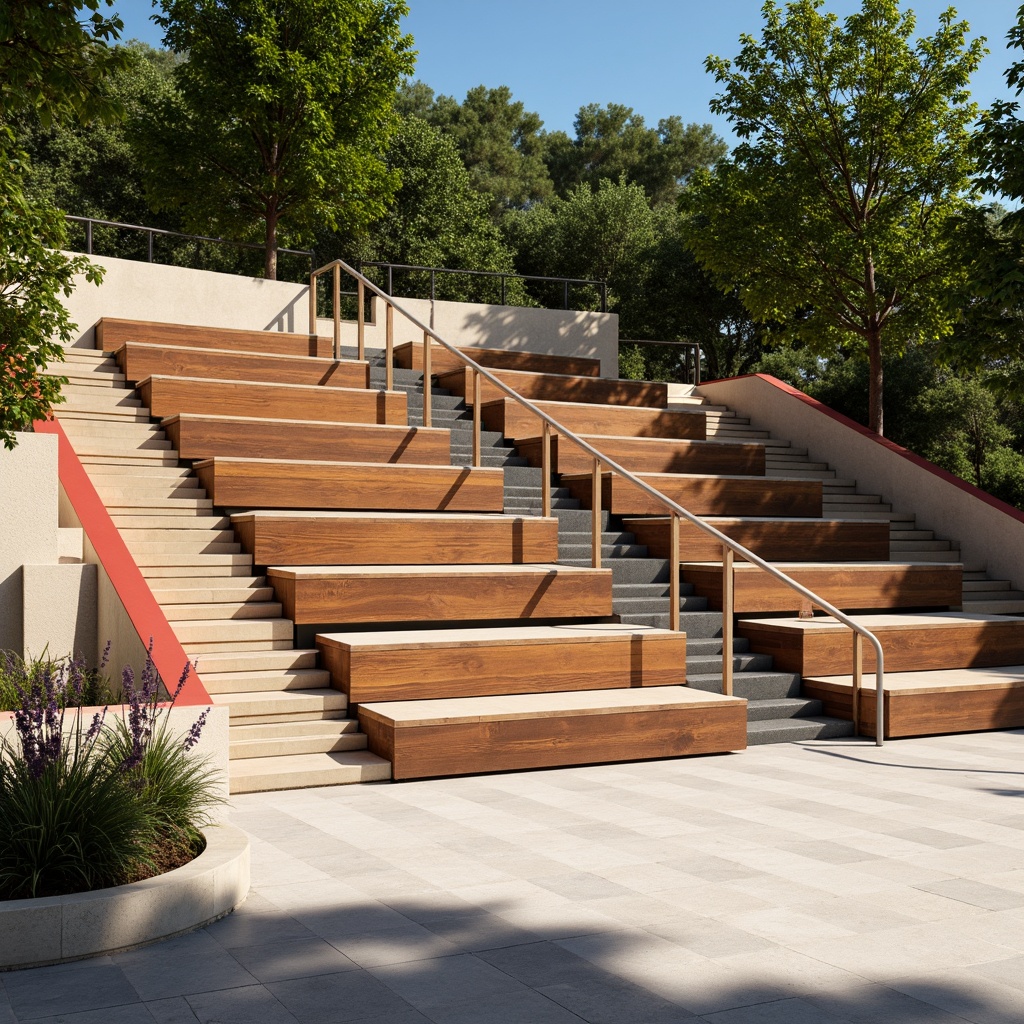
x: 257, y: 661
x: 259, y: 682
x: 251, y: 741
x: 299, y: 771
x: 127, y: 524
x: 262, y: 707
x: 197, y: 635
x: 221, y: 610
x: 792, y: 729
x: 782, y: 708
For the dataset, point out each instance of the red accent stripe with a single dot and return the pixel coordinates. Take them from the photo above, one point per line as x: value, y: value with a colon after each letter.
x: 884, y: 442
x: 146, y: 615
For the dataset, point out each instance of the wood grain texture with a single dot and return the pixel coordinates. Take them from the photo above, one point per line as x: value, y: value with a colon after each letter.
x: 912, y: 648
x: 138, y: 361
x: 269, y: 483
x: 410, y: 356
x: 927, y: 714
x: 557, y: 388
x: 778, y: 540
x: 169, y: 396
x: 486, y: 668
x: 550, y: 741
x: 849, y: 587
x: 651, y: 455
x: 203, y: 437
x: 702, y: 495
x: 112, y: 333
x: 348, y: 598
x: 395, y: 540
x: 515, y: 422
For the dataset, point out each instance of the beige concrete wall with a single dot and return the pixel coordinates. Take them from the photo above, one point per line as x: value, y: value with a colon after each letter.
x: 151, y: 291
x: 59, y: 608
x: 987, y: 536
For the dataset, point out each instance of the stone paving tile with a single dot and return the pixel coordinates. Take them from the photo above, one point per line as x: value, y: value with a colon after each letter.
x: 342, y: 997
x: 240, y: 1006
x: 131, y: 1013
x: 977, y: 894
x: 68, y: 988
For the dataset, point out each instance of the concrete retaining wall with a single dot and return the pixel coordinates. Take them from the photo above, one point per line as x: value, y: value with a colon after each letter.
x: 989, y: 533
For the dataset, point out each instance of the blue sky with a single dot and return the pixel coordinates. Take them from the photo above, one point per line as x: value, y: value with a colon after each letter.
x: 557, y: 55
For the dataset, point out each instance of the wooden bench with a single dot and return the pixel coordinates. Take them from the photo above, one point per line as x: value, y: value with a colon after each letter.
x: 515, y: 421
x: 774, y: 539
x: 394, y: 538
x: 650, y: 455
x: 851, y: 586
x: 432, y: 663
x: 459, y: 736
x: 440, y: 593
x: 195, y: 436
x: 929, y: 703
x: 112, y: 333
x: 557, y: 388
x: 138, y: 361
x: 288, y: 484
x: 169, y: 396
x: 702, y: 495
x: 822, y: 646
x: 410, y: 357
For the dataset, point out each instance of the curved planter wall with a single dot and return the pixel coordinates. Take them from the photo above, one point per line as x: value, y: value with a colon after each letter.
x: 58, y: 928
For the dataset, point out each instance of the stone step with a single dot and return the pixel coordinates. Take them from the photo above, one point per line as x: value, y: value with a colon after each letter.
x: 312, y: 738
x: 789, y: 730
x: 264, y: 707
x: 258, y: 682
x: 300, y: 771
x: 222, y: 610
x: 257, y: 661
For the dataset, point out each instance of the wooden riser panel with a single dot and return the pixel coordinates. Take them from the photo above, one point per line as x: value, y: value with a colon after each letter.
x: 555, y: 388
x: 550, y: 741
x: 439, y: 598
x: 707, y: 496
x: 482, y: 670
x: 882, y: 587
x: 112, y: 333
x: 377, y: 540
x: 648, y: 455
x: 410, y: 357
x: 780, y: 541
x: 169, y: 396
x: 926, y: 714
x: 197, y: 437
x: 138, y: 362
x: 516, y: 422
x: 973, y: 645
x: 238, y: 483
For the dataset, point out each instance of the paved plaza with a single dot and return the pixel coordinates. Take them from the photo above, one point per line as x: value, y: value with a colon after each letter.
x: 812, y: 883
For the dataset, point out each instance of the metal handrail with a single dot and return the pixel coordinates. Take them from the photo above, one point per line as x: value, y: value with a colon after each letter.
x: 89, y: 222
x: 694, y: 346
x: 730, y: 548
x: 602, y: 286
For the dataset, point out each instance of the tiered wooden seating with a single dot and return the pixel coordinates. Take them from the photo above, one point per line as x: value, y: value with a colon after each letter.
x: 430, y: 663
x: 195, y: 436
x: 458, y: 736
x: 410, y: 357
x: 446, y: 593
x: 389, y: 538
x: 650, y: 455
x: 558, y: 388
x: 112, y: 333
x: 822, y: 646
x: 702, y: 494
x: 139, y: 361
x: 775, y: 540
x: 851, y: 586
x: 929, y: 703
x: 169, y: 396
x: 292, y: 484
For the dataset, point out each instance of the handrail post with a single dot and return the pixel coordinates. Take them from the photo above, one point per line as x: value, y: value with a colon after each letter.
x: 858, y: 672
x: 88, y: 236
x: 476, y: 417
x: 566, y: 295
x: 360, y: 320
x: 312, y: 304
x: 545, y: 469
x: 431, y: 288
x: 391, y: 287
x: 150, y: 246
x: 337, y: 312
x: 503, y: 289
x: 673, y: 576
x: 426, y: 380
x: 389, y: 346
x: 595, y: 523
x: 728, y: 605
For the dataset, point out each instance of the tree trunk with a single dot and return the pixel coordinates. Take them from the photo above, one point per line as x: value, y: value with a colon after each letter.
x: 875, y: 381
x: 270, y: 253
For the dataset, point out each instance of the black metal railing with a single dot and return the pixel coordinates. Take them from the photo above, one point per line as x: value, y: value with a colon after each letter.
x: 662, y: 364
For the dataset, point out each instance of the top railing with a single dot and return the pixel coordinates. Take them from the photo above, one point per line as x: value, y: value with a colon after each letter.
x: 730, y: 548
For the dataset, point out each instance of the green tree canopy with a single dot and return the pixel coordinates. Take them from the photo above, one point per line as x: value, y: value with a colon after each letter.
x: 281, y: 118
x: 613, y: 141
x: 833, y: 213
